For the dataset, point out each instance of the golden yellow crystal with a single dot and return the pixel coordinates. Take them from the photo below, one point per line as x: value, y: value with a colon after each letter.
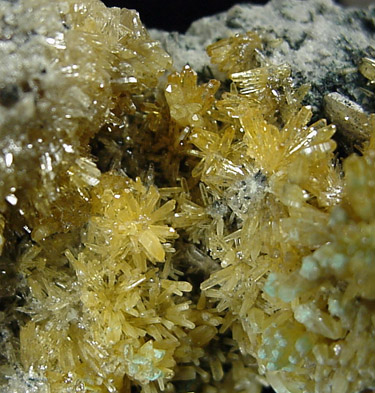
x: 173, y: 237
x: 238, y: 53
x: 188, y: 102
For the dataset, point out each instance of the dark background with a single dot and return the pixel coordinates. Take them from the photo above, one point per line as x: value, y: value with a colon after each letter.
x: 177, y: 15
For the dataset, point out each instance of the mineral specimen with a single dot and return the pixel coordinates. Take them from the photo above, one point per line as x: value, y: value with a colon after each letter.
x: 313, y: 37
x: 168, y: 230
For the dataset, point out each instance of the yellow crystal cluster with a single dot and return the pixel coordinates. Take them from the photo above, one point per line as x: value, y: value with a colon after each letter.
x: 186, y: 237
x: 96, y: 65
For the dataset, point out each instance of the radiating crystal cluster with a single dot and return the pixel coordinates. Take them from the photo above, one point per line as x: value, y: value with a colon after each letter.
x: 166, y: 233
x: 75, y: 66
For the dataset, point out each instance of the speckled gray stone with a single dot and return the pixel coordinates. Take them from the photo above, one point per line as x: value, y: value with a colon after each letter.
x: 323, y: 42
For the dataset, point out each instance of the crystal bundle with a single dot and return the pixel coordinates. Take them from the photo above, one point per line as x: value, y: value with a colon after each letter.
x: 163, y: 231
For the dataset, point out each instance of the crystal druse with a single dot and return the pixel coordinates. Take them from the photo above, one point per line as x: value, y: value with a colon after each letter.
x: 163, y: 229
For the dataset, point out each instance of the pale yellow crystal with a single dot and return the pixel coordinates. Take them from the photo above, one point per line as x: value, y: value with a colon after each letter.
x: 237, y: 53
x: 188, y: 102
x: 185, y: 239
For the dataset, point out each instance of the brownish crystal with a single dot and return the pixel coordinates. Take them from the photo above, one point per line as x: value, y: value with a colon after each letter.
x: 162, y: 234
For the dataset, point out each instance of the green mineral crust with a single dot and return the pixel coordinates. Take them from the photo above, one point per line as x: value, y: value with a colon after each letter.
x: 165, y: 231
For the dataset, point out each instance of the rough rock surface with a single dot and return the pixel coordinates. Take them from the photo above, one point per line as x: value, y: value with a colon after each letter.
x: 322, y: 42
x: 324, y: 45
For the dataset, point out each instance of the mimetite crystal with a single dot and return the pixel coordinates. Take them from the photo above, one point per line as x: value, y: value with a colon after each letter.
x: 162, y: 233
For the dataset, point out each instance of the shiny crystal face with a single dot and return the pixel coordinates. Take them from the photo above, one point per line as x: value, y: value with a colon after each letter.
x: 246, y: 194
x: 160, y: 233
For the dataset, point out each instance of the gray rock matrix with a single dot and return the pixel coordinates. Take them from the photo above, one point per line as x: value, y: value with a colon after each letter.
x: 321, y: 41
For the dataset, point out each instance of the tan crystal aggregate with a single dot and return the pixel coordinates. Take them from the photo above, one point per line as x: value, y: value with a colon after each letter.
x: 166, y: 233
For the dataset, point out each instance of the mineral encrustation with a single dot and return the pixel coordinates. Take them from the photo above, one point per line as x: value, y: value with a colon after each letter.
x: 168, y: 230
